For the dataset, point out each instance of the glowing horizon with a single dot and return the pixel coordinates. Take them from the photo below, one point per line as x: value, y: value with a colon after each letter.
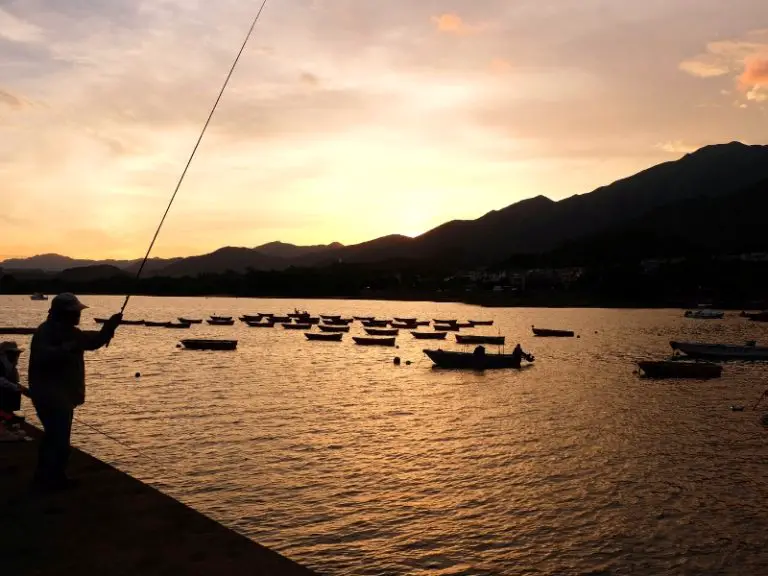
x: 347, y: 120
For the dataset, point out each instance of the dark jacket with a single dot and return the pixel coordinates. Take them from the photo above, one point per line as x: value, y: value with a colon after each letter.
x: 57, y: 365
x: 10, y: 400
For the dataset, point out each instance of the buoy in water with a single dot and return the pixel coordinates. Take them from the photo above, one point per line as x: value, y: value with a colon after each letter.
x: 138, y: 374
x: 408, y: 362
x: 396, y: 361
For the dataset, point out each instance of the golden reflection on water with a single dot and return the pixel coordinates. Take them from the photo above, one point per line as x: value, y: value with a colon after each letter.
x: 336, y: 457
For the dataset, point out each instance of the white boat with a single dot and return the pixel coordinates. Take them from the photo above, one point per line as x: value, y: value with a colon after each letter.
x: 749, y: 351
x: 38, y: 296
x: 705, y: 314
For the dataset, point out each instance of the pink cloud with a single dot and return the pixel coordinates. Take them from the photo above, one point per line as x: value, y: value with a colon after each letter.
x: 755, y: 72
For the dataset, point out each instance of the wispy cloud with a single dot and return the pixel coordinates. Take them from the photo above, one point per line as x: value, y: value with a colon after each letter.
x: 15, y: 29
x: 9, y: 99
x: 453, y: 24
x: 676, y: 147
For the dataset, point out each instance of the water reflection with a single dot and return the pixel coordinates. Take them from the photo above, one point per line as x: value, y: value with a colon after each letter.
x: 349, y: 464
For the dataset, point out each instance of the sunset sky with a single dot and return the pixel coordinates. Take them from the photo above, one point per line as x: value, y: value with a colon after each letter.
x: 349, y: 119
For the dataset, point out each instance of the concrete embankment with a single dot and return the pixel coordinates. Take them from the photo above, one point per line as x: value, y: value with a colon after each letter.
x: 113, y: 524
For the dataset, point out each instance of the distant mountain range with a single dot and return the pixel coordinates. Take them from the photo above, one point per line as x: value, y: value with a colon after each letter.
x: 704, y: 199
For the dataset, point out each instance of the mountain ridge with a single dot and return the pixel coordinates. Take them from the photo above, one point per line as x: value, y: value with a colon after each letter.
x: 531, y: 226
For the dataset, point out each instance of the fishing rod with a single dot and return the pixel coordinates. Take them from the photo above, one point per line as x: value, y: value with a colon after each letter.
x: 194, y: 150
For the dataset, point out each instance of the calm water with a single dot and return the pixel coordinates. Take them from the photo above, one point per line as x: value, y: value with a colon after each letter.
x: 335, y: 457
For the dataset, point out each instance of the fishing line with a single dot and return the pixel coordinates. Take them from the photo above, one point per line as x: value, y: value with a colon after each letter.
x: 197, y: 145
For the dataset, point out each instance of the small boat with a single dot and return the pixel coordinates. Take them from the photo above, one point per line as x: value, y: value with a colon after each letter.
x: 704, y: 314
x: 444, y: 321
x: 279, y: 319
x: 376, y: 323
x: 481, y: 322
x: 324, y: 337
x: 179, y: 326
x: 209, y: 344
x: 446, y: 327
x: 422, y: 323
x: 382, y: 331
x: 221, y: 322
x: 299, y: 315
x: 362, y: 341
x: 122, y: 323
x: 403, y: 325
x: 476, y: 339
x: 250, y: 318
x: 473, y: 361
x: 189, y: 320
x: 314, y: 320
x: 260, y: 324
x: 405, y: 320
x: 364, y: 318
x: 429, y: 335
x: 327, y: 317
x: 721, y: 351
x: 548, y: 333
x: 333, y: 329
x: 338, y: 321
x: 13, y: 331
x: 38, y: 296
x: 297, y: 326
x: 464, y: 325
x: 149, y: 324
x: 217, y: 318
x: 757, y: 316
x: 676, y: 369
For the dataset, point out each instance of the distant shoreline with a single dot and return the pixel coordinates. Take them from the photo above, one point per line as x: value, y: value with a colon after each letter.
x: 481, y: 299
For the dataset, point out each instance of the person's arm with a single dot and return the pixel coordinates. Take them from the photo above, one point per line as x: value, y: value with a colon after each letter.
x: 93, y: 340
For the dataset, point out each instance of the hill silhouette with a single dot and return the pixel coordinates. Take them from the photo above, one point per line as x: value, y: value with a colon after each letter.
x: 703, y: 199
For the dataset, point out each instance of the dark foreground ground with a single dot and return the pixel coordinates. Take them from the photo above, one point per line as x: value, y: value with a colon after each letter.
x: 112, y: 524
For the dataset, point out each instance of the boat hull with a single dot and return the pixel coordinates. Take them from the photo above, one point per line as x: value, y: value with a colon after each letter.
x: 673, y: 369
x: 429, y: 335
x: 471, y: 361
x: 547, y: 333
x: 374, y: 341
x: 382, y: 331
x: 721, y: 352
x: 320, y: 336
x: 475, y: 339
x: 333, y: 329
x: 222, y: 345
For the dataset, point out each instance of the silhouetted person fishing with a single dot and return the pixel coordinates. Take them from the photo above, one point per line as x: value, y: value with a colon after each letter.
x: 57, y: 380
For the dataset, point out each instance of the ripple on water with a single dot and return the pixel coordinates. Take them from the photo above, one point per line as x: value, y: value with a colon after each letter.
x: 353, y: 466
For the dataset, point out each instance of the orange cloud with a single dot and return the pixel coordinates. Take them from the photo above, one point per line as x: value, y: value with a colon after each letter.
x: 755, y: 72
x: 451, y: 23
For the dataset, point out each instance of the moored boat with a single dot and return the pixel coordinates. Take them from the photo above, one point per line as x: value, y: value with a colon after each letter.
x: 220, y: 322
x: 189, y: 320
x: 250, y: 318
x: 374, y: 341
x: 279, y: 319
x: 429, y: 335
x: 405, y: 320
x: 446, y: 327
x: 704, y: 314
x: 261, y: 324
x: 549, y: 333
x: 15, y: 331
x: 757, y: 316
x: 704, y: 351
x: 481, y: 322
x: 677, y: 369
x: 464, y: 325
x: 338, y: 321
x: 403, y: 325
x: 364, y: 318
x: 324, y: 337
x: 209, y: 344
x: 297, y: 326
x: 477, y: 339
x: 178, y: 326
x: 122, y: 323
x: 150, y: 324
x: 39, y: 297
x: 436, y: 321
x: 474, y: 361
x: 327, y: 317
x: 376, y: 323
x: 333, y: 329
x: 382, y: 331
x: 217, y: 318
